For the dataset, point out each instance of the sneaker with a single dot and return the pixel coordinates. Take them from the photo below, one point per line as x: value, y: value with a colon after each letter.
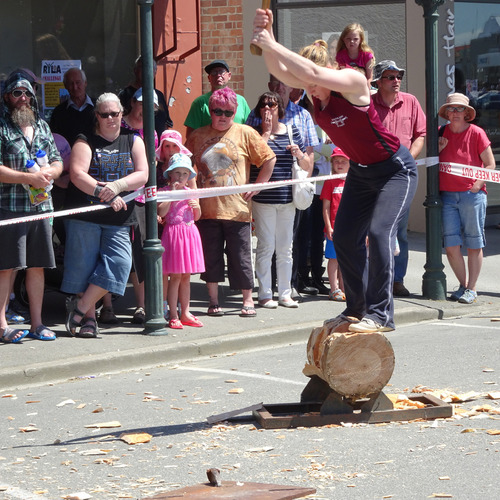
x: 334, y: 323
x: 13, y: 318
x: 468, y: 297
x: 458, y: 293
x: 367, y: 325
x: 337, y: 295
x: 108, y: 316
x: 399, y: 290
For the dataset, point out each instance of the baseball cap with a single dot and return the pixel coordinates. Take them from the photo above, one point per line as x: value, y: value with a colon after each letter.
x: 338, y: 152
x: 218, y: 63
x: 138, y: 96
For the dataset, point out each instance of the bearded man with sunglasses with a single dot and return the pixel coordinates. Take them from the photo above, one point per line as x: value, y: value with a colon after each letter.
x: 223, y: 153
x: 402, y: 115
x: 26, y: 245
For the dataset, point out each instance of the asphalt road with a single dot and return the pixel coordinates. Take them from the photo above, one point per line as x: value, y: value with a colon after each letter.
x: 47, y: 452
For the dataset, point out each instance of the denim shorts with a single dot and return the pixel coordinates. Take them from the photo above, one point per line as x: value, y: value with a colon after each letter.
x: 96, y: 254
x: 464, y: 214
x: 330, y: 250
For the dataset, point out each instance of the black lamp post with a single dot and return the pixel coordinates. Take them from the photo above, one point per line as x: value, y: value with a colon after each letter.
x: 153, y: 283
x: 434, y: 279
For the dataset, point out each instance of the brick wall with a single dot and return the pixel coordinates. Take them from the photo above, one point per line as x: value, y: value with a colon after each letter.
x: 222, y: 38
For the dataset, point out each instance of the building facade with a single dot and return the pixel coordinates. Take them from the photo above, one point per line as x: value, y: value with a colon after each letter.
x: 187, y: 34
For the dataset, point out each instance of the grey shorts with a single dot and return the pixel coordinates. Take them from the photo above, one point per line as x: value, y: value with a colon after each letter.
x: 28, y: 244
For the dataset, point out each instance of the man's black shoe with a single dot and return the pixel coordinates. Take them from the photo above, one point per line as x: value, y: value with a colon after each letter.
x: 309, y: 290
x: 322, y: 289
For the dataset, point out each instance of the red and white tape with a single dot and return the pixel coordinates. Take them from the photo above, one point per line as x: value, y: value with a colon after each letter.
x: 151, y: 193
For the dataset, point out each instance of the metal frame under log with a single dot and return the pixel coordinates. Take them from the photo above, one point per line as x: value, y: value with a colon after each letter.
x: 373, y: 410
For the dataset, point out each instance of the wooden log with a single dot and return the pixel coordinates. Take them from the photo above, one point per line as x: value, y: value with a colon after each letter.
x: 354, y: 365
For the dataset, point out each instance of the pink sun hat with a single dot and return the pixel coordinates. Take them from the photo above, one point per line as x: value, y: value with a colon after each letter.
x: 174, y: 137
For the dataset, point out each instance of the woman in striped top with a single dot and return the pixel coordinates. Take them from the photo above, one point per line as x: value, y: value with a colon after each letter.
x: 273, y: 209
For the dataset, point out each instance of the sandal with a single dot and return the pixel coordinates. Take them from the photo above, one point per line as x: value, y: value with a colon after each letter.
x: 248, y: 312
x: 42, y: 333
x: 89, y: 329
x: 139, y: 316
x: 215, y: 310
x: 175, y: 324
x: 9, y: 334
x: 71, y: 324
x: 337, y: 295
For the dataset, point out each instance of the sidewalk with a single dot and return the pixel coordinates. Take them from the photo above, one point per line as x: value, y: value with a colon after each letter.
x: 124, y: 347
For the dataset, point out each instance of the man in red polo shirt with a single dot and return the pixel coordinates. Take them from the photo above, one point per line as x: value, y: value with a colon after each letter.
x: 402, y: 115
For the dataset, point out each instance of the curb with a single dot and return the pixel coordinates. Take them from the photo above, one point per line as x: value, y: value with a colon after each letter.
x: 92, y: 365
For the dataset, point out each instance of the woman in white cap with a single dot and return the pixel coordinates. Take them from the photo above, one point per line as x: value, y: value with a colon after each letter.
x: 463, y: 199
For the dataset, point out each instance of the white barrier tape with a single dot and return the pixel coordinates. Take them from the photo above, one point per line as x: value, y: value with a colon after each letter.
x: 172, y: 196
x: 71, y: 211
x: 428, y: 162
x: 244, y: 188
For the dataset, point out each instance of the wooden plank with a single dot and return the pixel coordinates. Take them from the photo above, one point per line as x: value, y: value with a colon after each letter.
x: 231, y: 490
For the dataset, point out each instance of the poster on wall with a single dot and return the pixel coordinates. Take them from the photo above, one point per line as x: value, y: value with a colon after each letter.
x: 53, y: 92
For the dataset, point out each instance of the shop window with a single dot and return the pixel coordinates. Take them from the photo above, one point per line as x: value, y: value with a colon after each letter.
x: 477, y: 70
x: 301, y: 23
x: 102, y: 35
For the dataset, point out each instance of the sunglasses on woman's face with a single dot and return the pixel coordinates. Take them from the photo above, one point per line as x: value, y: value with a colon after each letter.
x: 269, y: 104
x: 226, y: 112
x: 456, y: 109
x: 113, y: 114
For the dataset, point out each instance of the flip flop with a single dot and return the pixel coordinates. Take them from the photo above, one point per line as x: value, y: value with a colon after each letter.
x: 42, y: 333
x: 175, y: 324
x: 194, y: 321
x: 215, y: 310
x: 9, y: 334
x: 250, y: 312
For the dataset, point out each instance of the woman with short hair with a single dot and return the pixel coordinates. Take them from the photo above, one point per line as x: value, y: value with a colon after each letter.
x: 104, y: 167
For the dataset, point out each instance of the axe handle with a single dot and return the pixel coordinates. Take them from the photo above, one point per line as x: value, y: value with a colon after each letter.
x: 257, y: 51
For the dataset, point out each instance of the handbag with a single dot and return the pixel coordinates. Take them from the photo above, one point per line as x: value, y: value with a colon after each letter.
x: 302, y: 193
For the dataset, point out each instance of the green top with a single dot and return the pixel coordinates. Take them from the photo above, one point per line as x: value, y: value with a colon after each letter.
x: 199, y: 114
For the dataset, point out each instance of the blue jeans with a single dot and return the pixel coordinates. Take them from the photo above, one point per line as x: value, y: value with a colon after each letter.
x: 96, y: 254
x: 464, y: 214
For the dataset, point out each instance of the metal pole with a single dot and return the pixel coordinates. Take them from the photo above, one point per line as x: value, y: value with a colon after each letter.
x: 434, y: 279
x: 153, y: 283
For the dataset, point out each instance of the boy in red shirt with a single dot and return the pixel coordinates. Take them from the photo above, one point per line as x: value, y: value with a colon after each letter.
x: 331, y: 194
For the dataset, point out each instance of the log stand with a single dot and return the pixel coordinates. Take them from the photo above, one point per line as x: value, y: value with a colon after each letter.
x: 347, y: 374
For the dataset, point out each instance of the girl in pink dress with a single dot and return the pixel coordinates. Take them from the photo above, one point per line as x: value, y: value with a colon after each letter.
x: 181, y: 240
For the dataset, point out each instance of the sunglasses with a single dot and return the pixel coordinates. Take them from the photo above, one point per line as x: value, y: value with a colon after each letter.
x: 268, y: 104
x: 18, y: 93
x: 456, y: 109
x: 113, y: 114
x: 393, y: 77
x: 226, y: 112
